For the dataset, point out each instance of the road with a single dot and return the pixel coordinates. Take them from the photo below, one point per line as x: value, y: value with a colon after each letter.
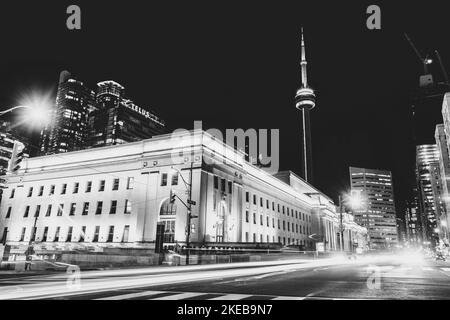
x: 387, y: 277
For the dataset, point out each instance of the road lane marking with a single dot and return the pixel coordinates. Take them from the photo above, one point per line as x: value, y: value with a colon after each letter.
x: 232, y: 297
x: 131, y: 295
x: 288, y: 298
x: 445, y: 269
x: 427, y: 269
x: 180, y: 296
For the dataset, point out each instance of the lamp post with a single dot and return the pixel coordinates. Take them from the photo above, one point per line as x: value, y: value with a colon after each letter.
x: 341, y: 229
x: 188, y: 206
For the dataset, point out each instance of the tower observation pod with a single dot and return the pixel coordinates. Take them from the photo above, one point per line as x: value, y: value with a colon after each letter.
x: 305, y: 101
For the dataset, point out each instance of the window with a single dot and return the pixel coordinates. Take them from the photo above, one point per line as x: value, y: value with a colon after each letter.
x: 69, y: 234
x: 101, y: 186
x: 267, y: 204
x: 222, y: 186
x: 64, y: 188
x: 254, y: 237
x: 246, y: 237
x: 254, y: 199
x: 113, y: 208
x: 44, y: 237
x: 38, y: 210
x: 296, y: 214
x: 261, y: 220
x: 284, y: 225
x: 27, y: 211
x: 22, y: 235
x: 82, y: 234
x: 268, y: 238
x: 273, y: 223
x: 278, y: 224
x: 116, y: 184
x: 110, y: 234
x: 13, y: 191
x: 60, y: 209
x: 283, y: 210
x: 230, y: 187
x: 56, y: 237
x: 174, y: 181
x: 85, y: 209
x: 267, y: 221
x: 130, y: 183
x: 216, y: 182
x: 127, y: 207
x: 75, y: 187
x: 30, y: 192
x: 247, y: 197
x: 278, y: 207
x: 168, y: 209
x: 273, y: 206
x: 288, y: 226
x: 8, y: 213
x: 96, y: 233
x: 260, y: 238
x: 52, y: 190
x: 73, y: 207
x: 164, y: 179
x: 254, y: 218
x: 41, y: 191
x: 88, y: 186
x: 126, y: 232
x: 99, y: 207
x: 49, y: 211
x: 246, y: 216
x: 261, y: 200
x: 33, y: 234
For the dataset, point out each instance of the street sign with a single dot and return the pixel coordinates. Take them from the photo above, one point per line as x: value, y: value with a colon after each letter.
x: 315, y: 237
x: 189, y: 201
x: 320, y: 247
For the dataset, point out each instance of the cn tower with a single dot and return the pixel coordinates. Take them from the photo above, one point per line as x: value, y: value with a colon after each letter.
x: 305, y: 101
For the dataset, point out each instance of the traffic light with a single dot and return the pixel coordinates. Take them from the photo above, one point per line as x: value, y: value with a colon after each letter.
x: 172, y: 197
x: 16, y: 157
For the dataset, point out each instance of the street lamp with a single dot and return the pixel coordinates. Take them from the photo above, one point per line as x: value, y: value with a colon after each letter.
x: 354, y: 201
x: 188, y: 206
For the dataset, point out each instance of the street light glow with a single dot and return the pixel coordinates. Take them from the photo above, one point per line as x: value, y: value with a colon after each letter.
x: 36, y: 109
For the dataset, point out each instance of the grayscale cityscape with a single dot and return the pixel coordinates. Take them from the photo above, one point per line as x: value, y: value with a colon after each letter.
x: 125, y: 177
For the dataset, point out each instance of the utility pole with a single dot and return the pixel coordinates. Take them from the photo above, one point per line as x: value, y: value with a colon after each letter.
x: 341, y: 229
x: 189, y: 211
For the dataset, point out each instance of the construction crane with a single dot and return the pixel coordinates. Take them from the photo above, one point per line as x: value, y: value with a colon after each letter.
x: 427, y: 78
x: 444, y: 73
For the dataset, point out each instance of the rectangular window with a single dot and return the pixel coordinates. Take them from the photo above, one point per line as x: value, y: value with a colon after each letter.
x: 96, y: 233
x: 247, y: 197
x: 267, y: 221
x: 254, y: 218
x: 246, y: 216
x: 273, y: 223
x: 126, y: 232
x: 113, y: 208
x: 260, y: 238
x: 30, y: 192
x: 41, y: 191
x: 261, y: 220
x: 230, y: 187
x: 22, y: 235
x: 284, y: 225
x: 267, y: 204
x: 273, y: 206
x: 82, y: 234
x: 254, y: 237
x: 278, y: 207
x: 278, y: 224
x: 130, y: 183
x: 222, y: 186
x: 127, y: 207
x: 246, y: 237
x: 174, y: 181
x: 44, y: 237
x: 116, y: 184
x: 49, y: 211
x: 75, y: 187
x: 8, y: 213
x: 73, y: 207
x: 216, y: 182
x: 13, y: 191
x: 261, y: 200
x: 52, y: 190
x: 164, y: 180
x: 64, y: 188
x: 283, y: 210
x: 85, y: 209
x: 99, y: 207
x: 110, y: 234
x: 296, y: 214
x: 60, y: 209
x: 88, y: 186
x: 27, y: 211
x: 56, y: 237
x: 69, y: 234
x: 254, y: 199
x: 288, y: 226
x: 38, y: 210
x: 33, y: 234
x: 101, y: 186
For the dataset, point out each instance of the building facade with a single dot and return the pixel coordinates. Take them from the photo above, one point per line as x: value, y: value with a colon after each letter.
x: 444, y: 170
x: 377, y: 213
x: 429, y: 189
x: 117, y: 119
x: 117, y: 196
x: 67, y: 128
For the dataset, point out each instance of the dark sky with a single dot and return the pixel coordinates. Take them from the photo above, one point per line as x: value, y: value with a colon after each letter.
x: 235, y: 64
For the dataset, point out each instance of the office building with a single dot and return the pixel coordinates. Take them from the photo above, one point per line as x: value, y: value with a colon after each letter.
x: 429, y: 189
x: 118, y: 195
x: 444, y: 170
x: 377, y: 213
x: 117, y: 119
x: 67, y: 128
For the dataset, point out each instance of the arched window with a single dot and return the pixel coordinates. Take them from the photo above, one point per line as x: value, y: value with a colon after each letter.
x: 167, y: 215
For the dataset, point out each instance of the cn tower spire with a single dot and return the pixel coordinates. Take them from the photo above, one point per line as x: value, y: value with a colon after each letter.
x: 303, y: 63
x: 305, y: 101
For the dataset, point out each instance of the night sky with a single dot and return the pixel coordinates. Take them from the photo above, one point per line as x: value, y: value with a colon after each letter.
x: 235, y: 64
